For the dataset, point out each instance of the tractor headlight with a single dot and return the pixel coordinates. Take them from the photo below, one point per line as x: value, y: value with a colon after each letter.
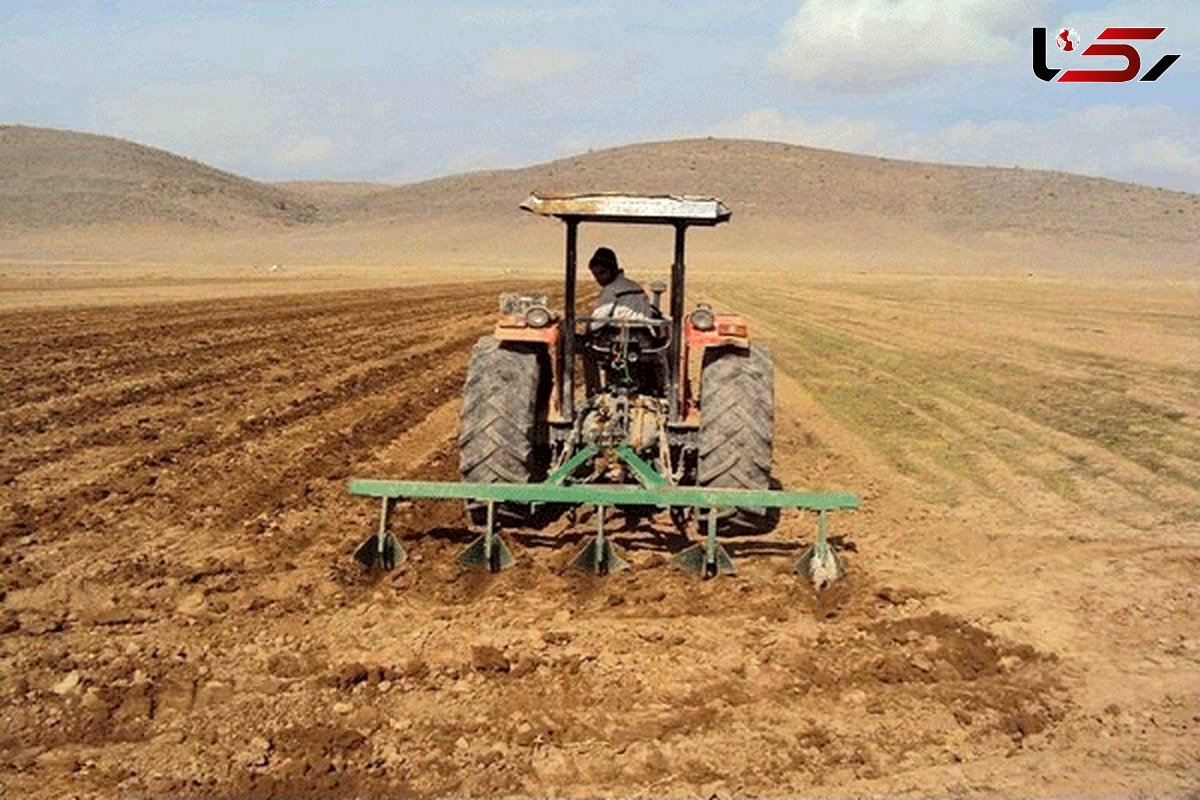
x: 537, y: 316
x: 702, y: 319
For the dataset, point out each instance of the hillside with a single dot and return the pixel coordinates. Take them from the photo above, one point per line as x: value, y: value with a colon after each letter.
x: 328, y: 194
x: 788, y: 183
x: 71, y: 196
x: 57, y: 179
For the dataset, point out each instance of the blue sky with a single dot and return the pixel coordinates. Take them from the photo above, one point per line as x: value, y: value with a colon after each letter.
x: 404, y: 91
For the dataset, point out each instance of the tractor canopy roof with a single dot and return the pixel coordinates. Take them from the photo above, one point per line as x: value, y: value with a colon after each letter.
x: 630, y: 208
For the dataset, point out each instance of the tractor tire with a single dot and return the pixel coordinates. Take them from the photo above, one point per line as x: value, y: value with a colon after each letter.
x: 737, y: 428
x: 503, y: 436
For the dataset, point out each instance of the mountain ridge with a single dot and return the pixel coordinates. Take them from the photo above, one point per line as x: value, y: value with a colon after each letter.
x: 783, y: 197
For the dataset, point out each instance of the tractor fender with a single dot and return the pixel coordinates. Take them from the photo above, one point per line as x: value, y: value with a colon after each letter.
x: 728, y: 330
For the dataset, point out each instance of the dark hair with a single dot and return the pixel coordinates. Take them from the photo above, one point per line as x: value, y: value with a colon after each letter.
x: 603, y: 257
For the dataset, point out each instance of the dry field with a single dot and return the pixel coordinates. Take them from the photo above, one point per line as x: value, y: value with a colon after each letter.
x: 181, y: 616
x: 1004, y: 363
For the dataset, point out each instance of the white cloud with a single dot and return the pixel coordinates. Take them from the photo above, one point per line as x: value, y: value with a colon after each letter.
x: 1170, y: 155
x: 873, y: 45
x: 1153, y: 144
x: 1148, y: 144
x: 511, y: 67
x: 303, y: 152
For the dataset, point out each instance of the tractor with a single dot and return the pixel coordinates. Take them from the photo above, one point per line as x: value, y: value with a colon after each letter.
x: 675, y: 410
x: 688, y: 394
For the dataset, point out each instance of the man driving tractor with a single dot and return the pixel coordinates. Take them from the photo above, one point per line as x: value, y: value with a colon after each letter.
x: 620, y: 297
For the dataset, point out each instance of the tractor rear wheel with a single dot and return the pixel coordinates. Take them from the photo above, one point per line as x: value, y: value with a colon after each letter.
x: 503, y: 434
x: 737, y: 426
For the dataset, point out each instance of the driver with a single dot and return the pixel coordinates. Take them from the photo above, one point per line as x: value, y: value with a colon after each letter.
x: 620, y: 298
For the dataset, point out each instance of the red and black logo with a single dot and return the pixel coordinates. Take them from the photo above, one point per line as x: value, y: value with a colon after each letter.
x: 1109, y: 43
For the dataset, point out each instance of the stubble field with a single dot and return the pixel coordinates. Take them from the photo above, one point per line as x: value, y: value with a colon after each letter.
x: 181, y: 615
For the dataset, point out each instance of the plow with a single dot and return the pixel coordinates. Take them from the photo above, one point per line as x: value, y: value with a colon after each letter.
x: 675, y: 413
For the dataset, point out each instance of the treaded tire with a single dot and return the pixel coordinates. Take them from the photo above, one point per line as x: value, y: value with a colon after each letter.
x: 737, y: 428
x: 503, y: 434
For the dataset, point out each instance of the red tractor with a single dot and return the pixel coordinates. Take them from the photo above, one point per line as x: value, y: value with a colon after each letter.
x: 686, y: 393
x: 675, y: 410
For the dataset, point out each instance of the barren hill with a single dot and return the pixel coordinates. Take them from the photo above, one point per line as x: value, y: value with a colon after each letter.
x: 793, y: 206
x: 334, y: 193
x: 55, y: 179
x: 789, y: 183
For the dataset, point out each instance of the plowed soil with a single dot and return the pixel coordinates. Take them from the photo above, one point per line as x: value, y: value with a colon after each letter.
x: 180, y: 614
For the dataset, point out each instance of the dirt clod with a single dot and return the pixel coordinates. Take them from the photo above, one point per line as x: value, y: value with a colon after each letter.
x: 486, y: 658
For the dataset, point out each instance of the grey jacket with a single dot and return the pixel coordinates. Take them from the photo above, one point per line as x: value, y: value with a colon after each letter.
x: 623, y: 299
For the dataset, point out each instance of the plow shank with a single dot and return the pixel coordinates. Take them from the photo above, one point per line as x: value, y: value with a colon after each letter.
x: 708, y: 559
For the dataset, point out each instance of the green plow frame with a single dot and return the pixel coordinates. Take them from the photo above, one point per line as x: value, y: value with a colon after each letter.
x: 708, y: 558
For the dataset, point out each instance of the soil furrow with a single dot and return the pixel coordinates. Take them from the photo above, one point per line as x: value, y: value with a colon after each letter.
x: 84, y: 407
x: 135, y: 477
x: 126, y: 326
x: 29, y: 385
